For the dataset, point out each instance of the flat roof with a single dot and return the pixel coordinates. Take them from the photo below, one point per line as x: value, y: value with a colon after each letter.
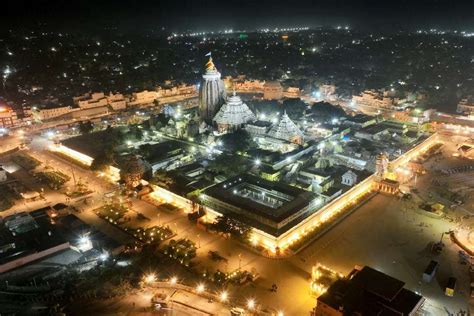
x: 294, y: 198
x: 371, y: 292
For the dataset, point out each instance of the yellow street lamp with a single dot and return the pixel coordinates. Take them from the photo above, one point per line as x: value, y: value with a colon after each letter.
x: 251, y: 304
x: 200, y: 288
x: 224, y: 296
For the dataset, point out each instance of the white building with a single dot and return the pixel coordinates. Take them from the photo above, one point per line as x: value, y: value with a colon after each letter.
x: 144, y: 97
x: 47, y: 114
x: 93, y: 100
x: 116, y: 101
x: 349, y: 178
x: 272, y: 90
x: 466, y: 105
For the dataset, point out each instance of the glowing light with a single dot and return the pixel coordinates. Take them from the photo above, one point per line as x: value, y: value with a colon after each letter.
x: 223, y: 296
x: 251, y: 304
x: 174, y: 280
x: 200, y: 288
x: 257, y: 162
x: 149, y: 278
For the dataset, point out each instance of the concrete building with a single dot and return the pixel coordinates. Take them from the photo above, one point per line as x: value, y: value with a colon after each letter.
x: 89, y: 100
x: 375, y: 100
x: 466, y: 105
x: 234, y: 114
x: 8, y: 117
x: 211, y: 93
x: 144, y: 97
x: 349, y: 178
x: 292, y: 93
x: 116, y: 101
x: 50, y: 113
x: 272, y: 90
x: 368, y: 292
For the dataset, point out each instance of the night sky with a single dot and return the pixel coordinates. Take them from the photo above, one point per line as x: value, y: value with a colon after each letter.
x: 182, y: 15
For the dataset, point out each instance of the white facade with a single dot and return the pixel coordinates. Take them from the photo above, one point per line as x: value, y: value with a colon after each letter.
x: 233, y: 114
x: 349, y: 178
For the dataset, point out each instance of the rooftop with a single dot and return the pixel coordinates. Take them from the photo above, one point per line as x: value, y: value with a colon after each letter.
x: 371, y: 292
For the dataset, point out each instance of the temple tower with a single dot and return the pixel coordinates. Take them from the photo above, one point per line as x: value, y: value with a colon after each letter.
x: 211, y: 93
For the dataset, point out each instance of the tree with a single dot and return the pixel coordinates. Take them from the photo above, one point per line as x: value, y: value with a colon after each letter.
x: 295, y: 108
x: 85, y: 127
x: 103, y: 159
x: 239, y: 140
x: 229, y: 164
x: 326, y: 110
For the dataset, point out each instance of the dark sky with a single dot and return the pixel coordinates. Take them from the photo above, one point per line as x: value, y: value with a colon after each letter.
x: 213, y: 15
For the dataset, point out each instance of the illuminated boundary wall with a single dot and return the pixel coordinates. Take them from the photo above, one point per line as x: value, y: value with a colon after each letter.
x: 414, y: 152
x: 113, y: 172
x: 171, y: 197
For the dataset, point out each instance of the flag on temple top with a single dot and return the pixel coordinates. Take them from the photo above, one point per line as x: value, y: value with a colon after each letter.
x: 208, y: 54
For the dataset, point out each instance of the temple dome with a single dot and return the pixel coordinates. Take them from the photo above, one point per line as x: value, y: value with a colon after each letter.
x: 234, y: 112
x: 286, y: 129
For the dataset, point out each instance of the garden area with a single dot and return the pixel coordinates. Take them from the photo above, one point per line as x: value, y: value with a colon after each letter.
x: 151, y: 235
x: 53, y: 179
x: 183, y: 250
x: 114, y: 213
x: 26, y: 161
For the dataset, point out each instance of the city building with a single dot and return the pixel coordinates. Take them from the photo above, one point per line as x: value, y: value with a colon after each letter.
x: 50, y: 113
x: 8, y: 117
x: 372, y: 100
x: 234, y: 114
x: 24, y: 239
x: 116, y: 101
x: 211, y: 93
x: 287, y: 130
x: 144, y: 97
x: 466, y: 105
x: 180, y: 90
x: 272, y: 90
x: 292, y: 93
x: 88, y: 100
x: 367, y: 291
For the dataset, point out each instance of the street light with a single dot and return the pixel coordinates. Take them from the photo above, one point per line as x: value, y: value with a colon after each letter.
x: 200, y: 288
x: 174, y: 280
x: 251, y: 304
x: 257, y: 162
x: 149, y: 278
x: 223, y: 296
x: 280, y: 313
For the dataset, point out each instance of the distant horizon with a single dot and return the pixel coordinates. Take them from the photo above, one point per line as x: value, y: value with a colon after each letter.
x: 211, y: 15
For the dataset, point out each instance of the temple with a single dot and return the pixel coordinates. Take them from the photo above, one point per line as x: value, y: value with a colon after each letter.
x: 211, y: 93
x: 287, y: 130
x: 233, y: 115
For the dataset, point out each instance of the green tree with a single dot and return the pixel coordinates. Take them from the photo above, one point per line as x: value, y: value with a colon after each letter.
x: 85, y: 127
x: 239, y: 140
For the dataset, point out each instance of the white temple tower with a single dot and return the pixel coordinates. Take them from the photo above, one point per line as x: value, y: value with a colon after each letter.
x: 233, y: 114
x: 287, y: 130
x: 211, y: 93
